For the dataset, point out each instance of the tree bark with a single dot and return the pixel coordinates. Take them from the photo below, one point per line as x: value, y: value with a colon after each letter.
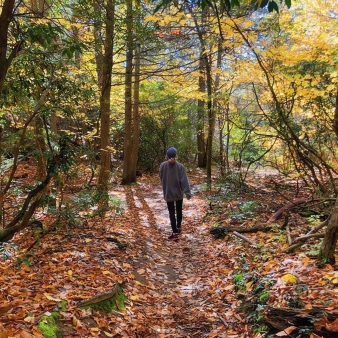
x: 1, y: 181
x: 211, y: 120
x: 201, y: 156
x: 136, y: 115
x: 208, y: 82
x: 328, y: 247
x: 105, y: 97
x: 315, y: 320
x: 99, y: 59
x: 127, y: 163
x: 5, y: 20
x: 41, y: 148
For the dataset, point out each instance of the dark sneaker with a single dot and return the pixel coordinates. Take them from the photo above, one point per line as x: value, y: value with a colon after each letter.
x: 173, y: 237
x: 179, y: 230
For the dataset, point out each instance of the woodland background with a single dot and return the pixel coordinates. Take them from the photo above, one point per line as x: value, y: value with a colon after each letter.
x: 94, y: 92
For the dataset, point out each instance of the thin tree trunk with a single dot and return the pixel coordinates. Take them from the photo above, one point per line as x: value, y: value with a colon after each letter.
x: 105, y: 98
x: 41, y: 148
x: 136, y: 115
x: 127, y: 162
x: 99, y: 59
x: 227, y: 150
x: 211, y: 120
x: 216, y: 101
x: 211, y: 116
x: 201, y: 156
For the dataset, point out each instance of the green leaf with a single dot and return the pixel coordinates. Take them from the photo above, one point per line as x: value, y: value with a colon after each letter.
x: 272, y: 6
x: 263, y: 3
x: 235, y: 3
x: 288, y: 3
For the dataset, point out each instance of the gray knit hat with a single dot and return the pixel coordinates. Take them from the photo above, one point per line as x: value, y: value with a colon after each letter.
x: 171, y: 152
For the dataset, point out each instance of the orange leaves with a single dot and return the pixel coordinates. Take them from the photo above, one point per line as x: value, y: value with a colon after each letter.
x: 174, y: 289
x: 4, y: 307
x: 323, y: 323
x: 174, y: 33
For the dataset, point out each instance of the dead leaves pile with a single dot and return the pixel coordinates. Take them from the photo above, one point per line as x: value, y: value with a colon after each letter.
x: 174, y: 289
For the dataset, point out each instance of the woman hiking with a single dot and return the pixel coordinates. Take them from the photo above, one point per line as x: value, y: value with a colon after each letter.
x: 174, y: 184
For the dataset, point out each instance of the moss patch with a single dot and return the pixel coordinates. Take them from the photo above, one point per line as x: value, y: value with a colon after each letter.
x: 49, y: 325
x: 114, y: 303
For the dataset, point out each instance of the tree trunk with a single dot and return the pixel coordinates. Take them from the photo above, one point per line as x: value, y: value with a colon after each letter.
x: 211, y: 119
x: 105, y: 98
x: 127, y: 163
x: 53, y: 123
x: 41, y: 148
x: 5, y: 19
x: 201, y: 156
x: 227, y: 150
x: 1, y: 180
x: 216, y: 101
x: 328, y: 247
x: 99, y: 59
x: 136, y: 115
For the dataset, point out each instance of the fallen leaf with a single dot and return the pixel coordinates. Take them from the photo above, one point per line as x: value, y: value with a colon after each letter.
x: 50, y: 297
x: 4, y: 307
x: 332, y: 327
x: 289, y: 278
x: 332, y: 277
x: 186, y: 250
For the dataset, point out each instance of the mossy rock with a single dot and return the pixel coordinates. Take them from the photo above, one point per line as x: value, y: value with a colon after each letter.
x: 49, y: 325
x: 115, y: 303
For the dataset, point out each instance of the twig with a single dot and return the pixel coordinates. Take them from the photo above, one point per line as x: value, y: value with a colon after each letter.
x: 245, y: 239
x: 222, y: 320
x: 318, y: 227
x: 299, y: 241
x: 303, y: 238
x: 251, y: 242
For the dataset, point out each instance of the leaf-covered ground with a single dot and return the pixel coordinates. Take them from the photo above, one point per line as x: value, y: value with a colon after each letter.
x: 197, y: 287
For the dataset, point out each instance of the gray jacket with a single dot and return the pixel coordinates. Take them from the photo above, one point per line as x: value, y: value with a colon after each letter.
x: 174, y: 181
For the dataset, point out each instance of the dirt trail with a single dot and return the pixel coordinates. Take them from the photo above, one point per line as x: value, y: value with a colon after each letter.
x: 174, y: 289
x: 180, y: 289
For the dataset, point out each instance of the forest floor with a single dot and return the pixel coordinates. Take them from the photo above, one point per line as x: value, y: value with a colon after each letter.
x: 198, y: 286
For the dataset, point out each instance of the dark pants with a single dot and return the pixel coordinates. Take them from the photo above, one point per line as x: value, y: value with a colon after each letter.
x: 175, y: 223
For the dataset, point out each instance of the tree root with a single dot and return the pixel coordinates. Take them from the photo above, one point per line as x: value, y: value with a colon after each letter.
x: 99, y: 298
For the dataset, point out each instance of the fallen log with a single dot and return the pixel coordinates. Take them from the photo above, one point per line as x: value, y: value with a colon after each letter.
x: 287, y: 206
x: 222, y: 231
x: 315, y: 320
x: 293, y: 204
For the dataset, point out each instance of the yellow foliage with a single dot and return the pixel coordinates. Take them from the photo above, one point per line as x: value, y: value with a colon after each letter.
x: 289, y: 278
